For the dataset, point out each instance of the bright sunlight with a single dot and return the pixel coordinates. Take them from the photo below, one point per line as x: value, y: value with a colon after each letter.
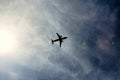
x: 7, y: 41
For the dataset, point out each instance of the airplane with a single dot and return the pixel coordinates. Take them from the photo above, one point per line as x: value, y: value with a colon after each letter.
x: 60, y: 39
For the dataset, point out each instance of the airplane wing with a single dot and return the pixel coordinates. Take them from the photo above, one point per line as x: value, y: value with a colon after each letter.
x: 60, y: 43
x: 58, y: 35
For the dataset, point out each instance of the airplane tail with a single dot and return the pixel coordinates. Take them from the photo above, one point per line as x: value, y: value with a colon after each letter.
x: 52, y: 41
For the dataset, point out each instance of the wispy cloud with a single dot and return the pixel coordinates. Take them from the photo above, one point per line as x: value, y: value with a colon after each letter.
x: 86, y: 54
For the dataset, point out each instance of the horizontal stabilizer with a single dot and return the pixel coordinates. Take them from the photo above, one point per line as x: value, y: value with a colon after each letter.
x: 52, y: 41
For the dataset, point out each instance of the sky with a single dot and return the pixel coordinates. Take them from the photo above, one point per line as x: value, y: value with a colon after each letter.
x: 91, y: 51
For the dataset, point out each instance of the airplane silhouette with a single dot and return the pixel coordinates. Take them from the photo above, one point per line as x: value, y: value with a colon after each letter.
x: 60, y: 39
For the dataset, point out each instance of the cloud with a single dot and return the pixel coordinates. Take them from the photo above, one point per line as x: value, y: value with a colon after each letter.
x: 82, y: 21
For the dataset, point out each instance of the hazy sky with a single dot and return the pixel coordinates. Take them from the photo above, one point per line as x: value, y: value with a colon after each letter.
x: 91, y: 51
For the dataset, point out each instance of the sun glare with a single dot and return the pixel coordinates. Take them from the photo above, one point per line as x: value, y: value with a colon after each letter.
x: 7, y: 41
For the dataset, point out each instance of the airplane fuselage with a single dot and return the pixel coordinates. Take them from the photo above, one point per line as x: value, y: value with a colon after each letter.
x: 60, y: 39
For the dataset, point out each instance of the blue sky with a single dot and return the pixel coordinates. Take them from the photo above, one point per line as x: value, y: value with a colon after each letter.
x: 91, y: 51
